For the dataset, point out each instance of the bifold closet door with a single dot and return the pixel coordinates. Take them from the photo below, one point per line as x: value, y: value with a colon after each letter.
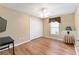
x: 36, y: 28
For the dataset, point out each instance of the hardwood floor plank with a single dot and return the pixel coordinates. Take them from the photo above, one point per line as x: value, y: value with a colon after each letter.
x: 42, y: 46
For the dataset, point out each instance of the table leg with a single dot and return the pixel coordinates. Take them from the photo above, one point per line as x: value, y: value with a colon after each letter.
x: 13, y: 49
x: 8, y: 46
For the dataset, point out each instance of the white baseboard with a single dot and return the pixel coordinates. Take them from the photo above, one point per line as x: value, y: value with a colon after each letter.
x: 76, y: 50
x: 16, y: 45
x: 30, y: 40
x: 19, y: 44
x: 22, y: 43
x: 53, y: 38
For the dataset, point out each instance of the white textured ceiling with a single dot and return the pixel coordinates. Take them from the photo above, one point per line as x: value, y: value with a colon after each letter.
x: 35, y: 8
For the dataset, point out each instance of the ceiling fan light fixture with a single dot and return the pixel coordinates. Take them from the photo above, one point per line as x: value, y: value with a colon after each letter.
x: 44, y: 13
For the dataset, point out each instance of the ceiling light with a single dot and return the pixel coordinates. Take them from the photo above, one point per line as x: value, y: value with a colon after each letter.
x: 43, y: 13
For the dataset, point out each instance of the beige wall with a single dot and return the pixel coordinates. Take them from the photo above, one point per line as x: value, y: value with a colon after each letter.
x: 66, y: 20
x: 17, y: 25
x: 46, y: 27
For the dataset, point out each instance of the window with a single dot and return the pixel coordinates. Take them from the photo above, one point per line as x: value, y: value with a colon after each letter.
x: 54, y: 28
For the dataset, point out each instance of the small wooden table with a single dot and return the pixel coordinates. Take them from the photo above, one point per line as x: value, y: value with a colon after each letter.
x: 7, y: 41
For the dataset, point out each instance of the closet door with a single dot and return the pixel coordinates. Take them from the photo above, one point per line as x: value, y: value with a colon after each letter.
x: 36, y: 28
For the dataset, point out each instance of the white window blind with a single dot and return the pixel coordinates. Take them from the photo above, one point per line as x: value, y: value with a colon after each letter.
x: 54, y: 28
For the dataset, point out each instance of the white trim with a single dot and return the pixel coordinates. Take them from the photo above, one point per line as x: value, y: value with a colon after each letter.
x: 26, y: 41
x: 16, y: 45
x: 76, y: 50
x: 22, y: 43
x: 30, y: 40
x: 19, y: 44
x: 52, y: 37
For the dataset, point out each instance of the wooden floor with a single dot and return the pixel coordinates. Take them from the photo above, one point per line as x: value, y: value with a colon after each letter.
x: 42, y: 46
